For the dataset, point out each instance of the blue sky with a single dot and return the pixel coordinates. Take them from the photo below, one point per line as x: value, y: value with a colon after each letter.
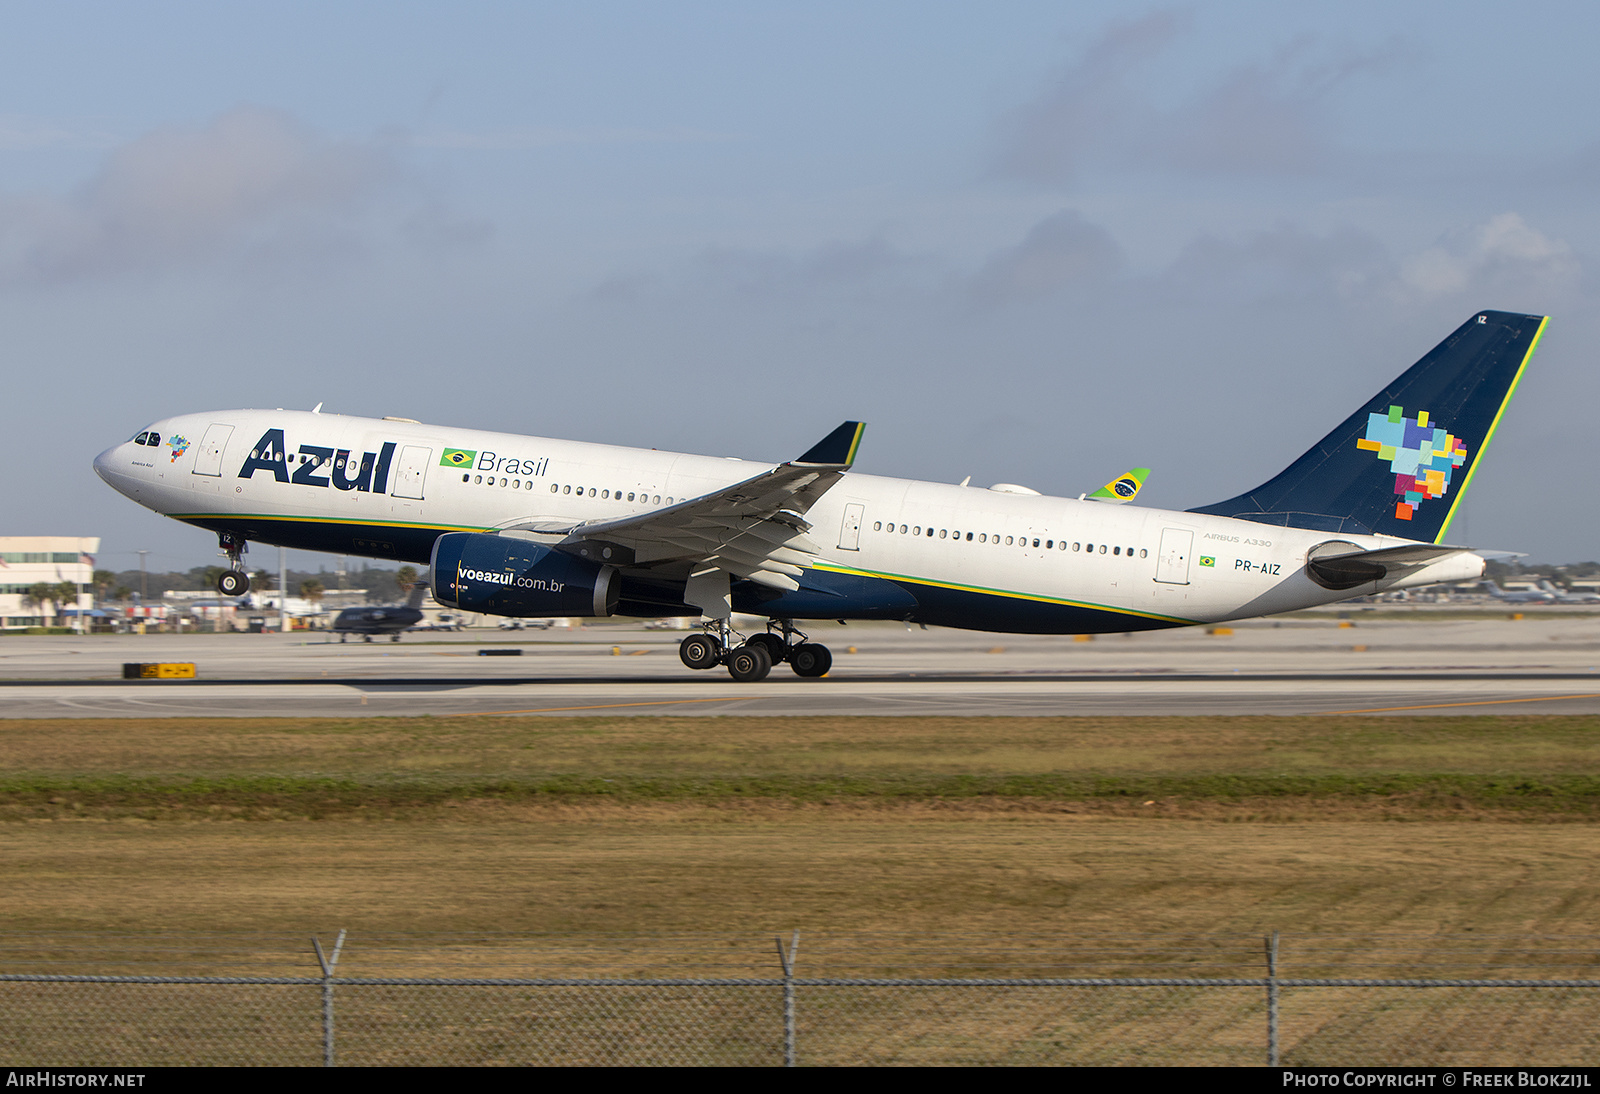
x: 1028, y: 242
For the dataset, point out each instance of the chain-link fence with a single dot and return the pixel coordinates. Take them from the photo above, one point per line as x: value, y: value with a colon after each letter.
x: 843, y: 999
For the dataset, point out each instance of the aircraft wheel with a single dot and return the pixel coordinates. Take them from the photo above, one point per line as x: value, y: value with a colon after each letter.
x: 749, y: 663
x: 699, y: 651
x: 233, y: 583
x: 394, y: 638
x: 810, y: 660
x: 368, y: 637
x: 774, y: 646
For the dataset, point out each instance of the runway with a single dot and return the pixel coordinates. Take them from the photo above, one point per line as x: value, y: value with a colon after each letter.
x: 1422, y: 666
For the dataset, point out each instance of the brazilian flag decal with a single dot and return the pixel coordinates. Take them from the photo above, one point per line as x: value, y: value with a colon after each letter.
x: 457, y: 457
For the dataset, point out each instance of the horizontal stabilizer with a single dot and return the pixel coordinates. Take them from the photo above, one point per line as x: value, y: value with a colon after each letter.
x: 1340, y: 566
x: 1122, y: 489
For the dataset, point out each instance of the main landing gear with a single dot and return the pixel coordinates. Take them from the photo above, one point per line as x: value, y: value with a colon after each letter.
x: 234, y: 581
x: 753, y: 659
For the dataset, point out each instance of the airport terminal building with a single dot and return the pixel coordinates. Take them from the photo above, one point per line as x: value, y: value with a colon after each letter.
x: 29, y: 561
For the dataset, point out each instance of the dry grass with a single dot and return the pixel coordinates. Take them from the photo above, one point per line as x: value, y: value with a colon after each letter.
x: 409, y: 840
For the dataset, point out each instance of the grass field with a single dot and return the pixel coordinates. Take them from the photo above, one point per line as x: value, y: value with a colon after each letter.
x: 655, y: 824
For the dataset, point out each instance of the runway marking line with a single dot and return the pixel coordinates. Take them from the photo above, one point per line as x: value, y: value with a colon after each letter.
x: 601, y: 706
x: 1475, y: 703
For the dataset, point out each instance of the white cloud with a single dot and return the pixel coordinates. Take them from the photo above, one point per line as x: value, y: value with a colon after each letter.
x: 1061, y: 252
x: 1267, y: 117
x: 253, y: 184
x: 1503, y: 249
x: 526, y: 137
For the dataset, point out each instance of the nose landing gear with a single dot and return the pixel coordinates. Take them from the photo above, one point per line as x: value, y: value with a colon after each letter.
x: 234, y: 581
x: 753, y: 659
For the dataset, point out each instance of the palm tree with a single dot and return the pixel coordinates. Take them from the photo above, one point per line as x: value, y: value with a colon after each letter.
x: 67, y: 596
x: 38, y: 595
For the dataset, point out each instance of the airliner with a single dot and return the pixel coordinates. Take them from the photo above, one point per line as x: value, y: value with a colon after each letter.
x: 522, y: 526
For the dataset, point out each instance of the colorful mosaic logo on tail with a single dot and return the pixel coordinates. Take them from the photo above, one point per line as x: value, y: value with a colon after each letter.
x: 1422, y: 456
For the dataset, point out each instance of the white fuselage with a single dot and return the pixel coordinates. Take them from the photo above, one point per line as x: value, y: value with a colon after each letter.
x: 393, y: 491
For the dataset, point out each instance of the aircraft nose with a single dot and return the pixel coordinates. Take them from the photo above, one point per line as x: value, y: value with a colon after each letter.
x: 107, y: 466
x: 102, y: 463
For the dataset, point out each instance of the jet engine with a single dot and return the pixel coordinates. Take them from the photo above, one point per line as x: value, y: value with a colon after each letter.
x: 507, y: 575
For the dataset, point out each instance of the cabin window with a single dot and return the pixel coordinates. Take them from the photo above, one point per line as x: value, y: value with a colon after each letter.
x: 917, y: 531
x: 1049, y: 545
x: 657, y: 500
x: 606, y: 494
x: 877, y: 526
x: 969, y: 537
x: 477, y: 478
x: 1036, y: 543
x: 1143, y: 552
x: 566, y: 489
x: 555, y: 488
x: 466, y: 478
x: 1116, y: 550
x: 1102, y: 548
x: 516, y: 484
x: 943, y: 533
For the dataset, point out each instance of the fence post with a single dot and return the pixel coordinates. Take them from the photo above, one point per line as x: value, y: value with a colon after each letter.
x: 1272, y: 999
x: 328, y: 965
x: 787, y: 959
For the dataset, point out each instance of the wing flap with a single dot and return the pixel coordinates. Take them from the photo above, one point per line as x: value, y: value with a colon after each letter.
x: 754, y: 529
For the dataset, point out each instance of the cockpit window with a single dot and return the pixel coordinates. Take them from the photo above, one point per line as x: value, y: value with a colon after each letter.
x: 141, y: 438
x: 155, y: 439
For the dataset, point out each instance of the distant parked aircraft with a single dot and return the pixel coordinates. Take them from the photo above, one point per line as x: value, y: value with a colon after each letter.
x: 389, y: 620
x: 1531, y: 596
x: 1569, y: 598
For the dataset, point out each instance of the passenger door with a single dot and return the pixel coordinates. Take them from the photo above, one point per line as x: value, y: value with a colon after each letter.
x: 208, y: 461
x: 850, y: 529
x: 1172, y: 561
x: 410, y: 471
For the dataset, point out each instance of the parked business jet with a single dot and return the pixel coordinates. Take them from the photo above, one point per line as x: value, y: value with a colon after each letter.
x: 390, y: 619
x: 528, y: 526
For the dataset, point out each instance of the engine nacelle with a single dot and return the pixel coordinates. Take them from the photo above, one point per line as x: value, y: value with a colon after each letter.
x: 507, y: 575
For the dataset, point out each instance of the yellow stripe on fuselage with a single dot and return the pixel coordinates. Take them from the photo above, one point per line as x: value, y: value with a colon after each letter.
x: 834, y: 568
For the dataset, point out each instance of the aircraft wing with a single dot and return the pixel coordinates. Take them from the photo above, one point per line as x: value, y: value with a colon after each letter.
x: 755, y: 529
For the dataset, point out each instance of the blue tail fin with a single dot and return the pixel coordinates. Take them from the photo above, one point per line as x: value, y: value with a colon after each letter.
x: 1400, y: 465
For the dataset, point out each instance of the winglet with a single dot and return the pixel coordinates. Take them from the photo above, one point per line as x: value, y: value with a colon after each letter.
x: 1123, y: 488
x: 838, y: 447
